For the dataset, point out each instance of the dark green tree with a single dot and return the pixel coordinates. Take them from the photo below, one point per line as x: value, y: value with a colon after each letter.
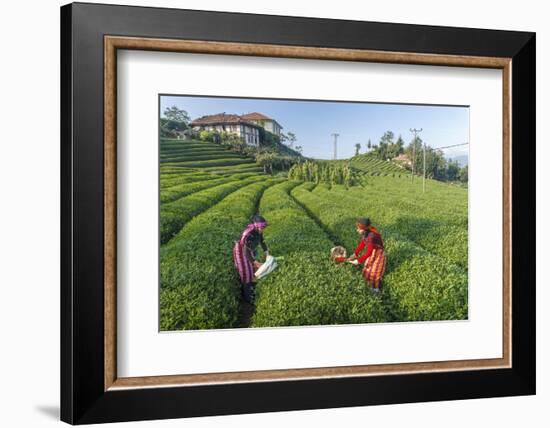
x: 176, y: 114
x: 174, y: 120
x: 464, y: 174
x: 453, y: 171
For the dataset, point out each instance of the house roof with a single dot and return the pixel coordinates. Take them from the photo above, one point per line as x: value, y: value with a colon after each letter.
x: 255, y: 116
x: 221, y: 118
x: 258, y: 116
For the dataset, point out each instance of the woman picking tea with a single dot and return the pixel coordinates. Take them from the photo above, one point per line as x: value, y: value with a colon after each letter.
x: 374, y: 257
x: 245, y: 255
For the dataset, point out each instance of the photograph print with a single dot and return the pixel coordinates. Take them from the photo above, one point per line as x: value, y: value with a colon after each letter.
x: 280, y: 213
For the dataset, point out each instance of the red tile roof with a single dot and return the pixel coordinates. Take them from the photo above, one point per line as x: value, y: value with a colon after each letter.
x: 224, y: 118
x: 218, y: 118
x: 255, y: 116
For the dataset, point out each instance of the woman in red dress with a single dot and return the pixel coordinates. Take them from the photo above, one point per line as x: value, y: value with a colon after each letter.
x: 374, y: 257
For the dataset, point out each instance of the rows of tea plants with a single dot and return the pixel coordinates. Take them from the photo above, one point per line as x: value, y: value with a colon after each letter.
x: 186, y: 158
x: 169, y: 180
x: 173, y: 215
x: 410, y: 220
x: 211, y: 162
x: 208, y: 194
x: 371, y: 165
x: 181, y: 156
x: 418, y: 285
x: 307, y: 289
x: 198, y: 284
x: 194, y: 175
x: 180, y: 190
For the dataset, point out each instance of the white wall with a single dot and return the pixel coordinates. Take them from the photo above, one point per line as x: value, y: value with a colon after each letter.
x: 29, y: 230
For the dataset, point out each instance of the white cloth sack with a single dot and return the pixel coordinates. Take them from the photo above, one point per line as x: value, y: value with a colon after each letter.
x: 266, y: 268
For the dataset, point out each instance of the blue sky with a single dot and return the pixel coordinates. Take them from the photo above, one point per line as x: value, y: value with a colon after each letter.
x: 313, y: 122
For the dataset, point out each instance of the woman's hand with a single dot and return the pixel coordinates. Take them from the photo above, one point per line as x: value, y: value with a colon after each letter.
x: 353, y: 262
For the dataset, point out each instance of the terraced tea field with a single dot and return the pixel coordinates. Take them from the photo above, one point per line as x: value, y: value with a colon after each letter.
x: 208, y: 195
x: 370, y: 165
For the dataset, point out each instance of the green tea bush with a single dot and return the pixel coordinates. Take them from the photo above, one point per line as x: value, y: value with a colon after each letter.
x: 185, y: 157
x: 307, y: 288
x: 211, y: 162
x: 179, y: 191
x: 369, y: 163
x: 174, y: 215
x: 445, y: 240
x: 425, y: 236
x: 418, y: 285
x: 198, y: 283
x: 170, y: 180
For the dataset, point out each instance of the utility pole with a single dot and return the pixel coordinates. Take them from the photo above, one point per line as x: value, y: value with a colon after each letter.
x: 415, y: 132
x: 335, y: 135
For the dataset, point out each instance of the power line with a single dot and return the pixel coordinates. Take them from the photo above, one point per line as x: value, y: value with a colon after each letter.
x: 454, y: 145
x: 335, y: 135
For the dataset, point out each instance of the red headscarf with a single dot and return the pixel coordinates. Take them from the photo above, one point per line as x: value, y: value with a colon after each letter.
x: 369, y: 228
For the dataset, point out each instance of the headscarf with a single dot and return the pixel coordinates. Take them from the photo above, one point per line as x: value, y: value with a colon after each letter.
x: 364, y: 224
x: 258, y: 223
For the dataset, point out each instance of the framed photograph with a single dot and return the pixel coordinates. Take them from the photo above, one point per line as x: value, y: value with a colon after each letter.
x: 265, y: 213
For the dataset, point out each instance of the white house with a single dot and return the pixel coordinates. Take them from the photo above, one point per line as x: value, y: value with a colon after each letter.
x: 231, y: 123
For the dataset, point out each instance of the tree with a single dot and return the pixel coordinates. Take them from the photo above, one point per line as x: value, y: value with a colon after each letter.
x: 357, y: 148
x: 369, y: 145
x: 237, y: 143
x: 298, y: 149
x: 266, y: 160
x: 387, y: 137
x: 384, y: 150
x: 397, y: 148
x: 453, y: 171
x: 464, y: 174
x: 176, y: 114
x: 174, y: 121
x: 291, y: 138
x: 414, y: 152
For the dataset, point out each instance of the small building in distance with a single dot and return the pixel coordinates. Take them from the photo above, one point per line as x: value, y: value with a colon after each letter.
x: 230, y: 123
x: 269, y: 124
x: 403, y: 159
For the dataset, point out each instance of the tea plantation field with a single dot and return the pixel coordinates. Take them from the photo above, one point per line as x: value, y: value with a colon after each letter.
x: 207, y: 196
